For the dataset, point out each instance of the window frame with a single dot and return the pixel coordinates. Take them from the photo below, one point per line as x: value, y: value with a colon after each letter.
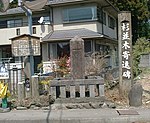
x: 67, y: 19
x: 111, y: 22
x: 14, y: 24
x: 18, y: 31
x: 36, y: 19
x: 34, y: 30
x: 3, y: 24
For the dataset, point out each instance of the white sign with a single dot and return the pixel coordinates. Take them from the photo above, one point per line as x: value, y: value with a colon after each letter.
x: 126, y: 50
x: 4, y: 73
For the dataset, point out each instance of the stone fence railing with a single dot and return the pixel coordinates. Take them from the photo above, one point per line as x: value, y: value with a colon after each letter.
x: 80, y: 89
x: 68, y: 90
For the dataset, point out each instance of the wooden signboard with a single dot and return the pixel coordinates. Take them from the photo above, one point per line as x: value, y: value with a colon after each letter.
x: 25, y: 45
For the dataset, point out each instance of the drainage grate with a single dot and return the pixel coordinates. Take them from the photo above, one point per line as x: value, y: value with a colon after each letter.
x: 127, y: 112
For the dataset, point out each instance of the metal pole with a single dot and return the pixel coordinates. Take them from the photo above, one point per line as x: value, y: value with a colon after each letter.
x: 29, y: 14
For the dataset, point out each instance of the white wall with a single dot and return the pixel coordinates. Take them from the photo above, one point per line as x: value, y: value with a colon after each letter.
x: 59, y: 25
x: 7, y: 33
x: 91, y: 25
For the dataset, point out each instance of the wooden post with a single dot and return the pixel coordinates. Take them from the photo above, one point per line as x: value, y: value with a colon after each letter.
x: 63, y: 92
x: 35, y: 86
x: 72, y: 91
x: 21, y: 94
x: 125, y: 52
x: 92, y: 90
x: 53, y: 92
x: 82, y: 90
x: 101, y: 90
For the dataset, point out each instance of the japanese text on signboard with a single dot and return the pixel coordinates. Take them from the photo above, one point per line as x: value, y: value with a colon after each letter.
x: 126, y: 46
x: 22, y: 48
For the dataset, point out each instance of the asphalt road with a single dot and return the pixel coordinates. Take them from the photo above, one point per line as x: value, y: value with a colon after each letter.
x: 74, y: 116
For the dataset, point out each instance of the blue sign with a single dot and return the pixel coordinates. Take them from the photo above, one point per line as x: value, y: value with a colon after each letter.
x: 4, y: 73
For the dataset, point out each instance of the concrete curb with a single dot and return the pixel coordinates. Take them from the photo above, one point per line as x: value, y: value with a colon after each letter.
x: 74, y: 116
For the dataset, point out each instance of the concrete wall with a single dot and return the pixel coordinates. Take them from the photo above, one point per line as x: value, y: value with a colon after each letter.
x: 8, y: 33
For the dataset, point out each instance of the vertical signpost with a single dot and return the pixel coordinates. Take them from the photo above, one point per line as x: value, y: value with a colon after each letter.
x: 125, y: 52
x: 28, y: 6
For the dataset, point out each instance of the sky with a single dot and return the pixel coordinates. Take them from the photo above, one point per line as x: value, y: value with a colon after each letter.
x: 11, y: 1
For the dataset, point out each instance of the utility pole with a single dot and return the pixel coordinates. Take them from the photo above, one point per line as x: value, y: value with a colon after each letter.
x: 29, y: 15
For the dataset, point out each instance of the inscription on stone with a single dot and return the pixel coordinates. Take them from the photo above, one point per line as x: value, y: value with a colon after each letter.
x: 77, y: 58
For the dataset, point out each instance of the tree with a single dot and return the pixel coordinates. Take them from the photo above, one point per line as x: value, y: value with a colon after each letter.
x: 140, y: 16
x: 148, y: 3
x: 142, y: 46
x: 14, y: 4
x: 1, y: 5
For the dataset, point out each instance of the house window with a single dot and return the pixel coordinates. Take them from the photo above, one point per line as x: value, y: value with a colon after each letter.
x: 14, y: 23
x: 111, y: 22
x: 52, y: 48
x: 3, y: 24
x: 6, y: 51
x: 102, y: 49
x: 34, y: 30
x: 17, y: 31
x: 35, y: 20
x: 88, y: 46
x: 47, y: 20
x: 104, y: 18
x: 101, y: 16
x: 79, y: 14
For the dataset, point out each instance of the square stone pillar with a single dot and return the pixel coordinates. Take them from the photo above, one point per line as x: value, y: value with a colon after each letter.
x: 77, y: 58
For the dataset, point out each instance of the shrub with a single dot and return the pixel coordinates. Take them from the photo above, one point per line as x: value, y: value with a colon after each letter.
x: 141, y: 46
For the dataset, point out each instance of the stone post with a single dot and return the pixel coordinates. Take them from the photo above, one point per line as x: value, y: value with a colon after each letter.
x: 135, y: 95
x: 35, y: 86
x: 77, y: 58
x: 21, y: 93
x: 125, y: 52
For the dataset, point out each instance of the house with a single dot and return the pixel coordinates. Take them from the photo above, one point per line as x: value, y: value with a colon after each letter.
x: 93, y: 20
x: 14, y: 22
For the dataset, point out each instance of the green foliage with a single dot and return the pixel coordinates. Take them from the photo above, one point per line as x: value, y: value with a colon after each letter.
x: 141, y: 46
x: 1, y: 5
x: 63, y: 67
x: 140, y: 11
x: 40, y: 66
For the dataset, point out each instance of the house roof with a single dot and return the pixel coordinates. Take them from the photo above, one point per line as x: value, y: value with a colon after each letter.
x: 17, y: 10
x: 13, y: 11
x: 103, y: 3
x: 60, y: 35
x: 54, y: 2
x: 24, y: 35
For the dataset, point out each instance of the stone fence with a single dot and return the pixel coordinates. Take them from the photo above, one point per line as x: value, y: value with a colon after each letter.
x: 68, y: 90
x: 77, y: 90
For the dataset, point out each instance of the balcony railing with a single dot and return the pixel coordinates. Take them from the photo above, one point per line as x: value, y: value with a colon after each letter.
x: 23, y: 24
